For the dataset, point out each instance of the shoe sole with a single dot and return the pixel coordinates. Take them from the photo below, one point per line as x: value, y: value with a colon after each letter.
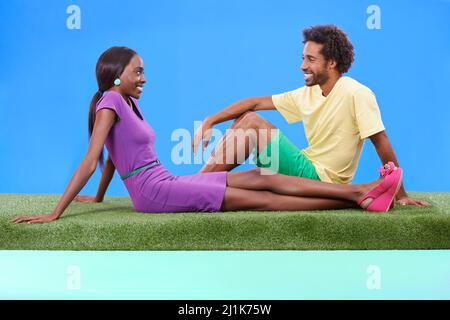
x: 396, y: 191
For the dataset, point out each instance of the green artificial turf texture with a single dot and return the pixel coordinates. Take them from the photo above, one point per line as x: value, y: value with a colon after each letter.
x: 114, y: 225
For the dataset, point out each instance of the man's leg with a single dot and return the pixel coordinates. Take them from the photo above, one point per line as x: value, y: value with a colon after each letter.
x: 247, y: 132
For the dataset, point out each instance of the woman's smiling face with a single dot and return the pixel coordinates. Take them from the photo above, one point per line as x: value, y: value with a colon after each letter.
x: 132, y: 80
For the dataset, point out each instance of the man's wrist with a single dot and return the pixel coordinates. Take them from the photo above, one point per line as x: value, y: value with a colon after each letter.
x: 401, y: 195
x: 209, y: 121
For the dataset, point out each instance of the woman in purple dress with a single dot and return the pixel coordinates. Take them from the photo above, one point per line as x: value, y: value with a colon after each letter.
x: 115, y: 119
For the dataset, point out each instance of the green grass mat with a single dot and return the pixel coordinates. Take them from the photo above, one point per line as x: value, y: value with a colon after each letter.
x: 114, y: 225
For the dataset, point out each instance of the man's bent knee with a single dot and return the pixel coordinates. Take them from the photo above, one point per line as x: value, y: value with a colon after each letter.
x: 251, y: 119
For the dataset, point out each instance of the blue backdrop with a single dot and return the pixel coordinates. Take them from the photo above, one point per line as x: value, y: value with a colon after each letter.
x: 201, y: 56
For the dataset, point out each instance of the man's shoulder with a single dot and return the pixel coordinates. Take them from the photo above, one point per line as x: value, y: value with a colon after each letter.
x: 354, y: 87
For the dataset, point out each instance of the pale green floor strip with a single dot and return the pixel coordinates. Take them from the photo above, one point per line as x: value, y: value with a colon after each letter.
x: 396, y: 274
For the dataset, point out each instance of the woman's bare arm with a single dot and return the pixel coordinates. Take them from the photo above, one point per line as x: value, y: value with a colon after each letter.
x: 104, y: 121
x: 107, y: 175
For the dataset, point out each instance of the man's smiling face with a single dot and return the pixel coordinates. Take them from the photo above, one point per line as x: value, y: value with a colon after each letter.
x: 314, y: 65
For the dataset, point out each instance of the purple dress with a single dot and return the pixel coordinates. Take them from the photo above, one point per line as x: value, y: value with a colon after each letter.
x: 130, y: 145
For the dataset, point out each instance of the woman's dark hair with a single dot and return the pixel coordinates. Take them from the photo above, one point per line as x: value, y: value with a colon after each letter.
x: 109, y: 67
x: 336, y: 45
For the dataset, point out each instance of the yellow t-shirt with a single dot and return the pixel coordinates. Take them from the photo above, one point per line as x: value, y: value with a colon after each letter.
x: 335, y: 125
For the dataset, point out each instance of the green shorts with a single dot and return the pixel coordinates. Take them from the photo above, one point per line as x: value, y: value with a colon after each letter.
x: 290, y: 160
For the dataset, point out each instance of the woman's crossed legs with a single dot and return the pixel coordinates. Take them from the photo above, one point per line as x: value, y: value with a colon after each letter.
x: 256, y: 190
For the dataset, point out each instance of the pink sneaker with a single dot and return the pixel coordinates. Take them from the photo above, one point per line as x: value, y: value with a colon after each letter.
x: 383, y: 194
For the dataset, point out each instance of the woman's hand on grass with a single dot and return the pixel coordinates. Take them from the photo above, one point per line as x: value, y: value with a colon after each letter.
x: 36, y: 218
x: 80, y: 198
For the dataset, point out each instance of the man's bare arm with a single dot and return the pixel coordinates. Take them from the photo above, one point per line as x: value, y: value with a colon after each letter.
x: 233, y: 111
x: 236, y: 109
x: 386, y: 153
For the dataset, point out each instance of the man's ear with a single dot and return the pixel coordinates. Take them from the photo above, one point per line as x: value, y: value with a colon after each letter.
x: 332, y: 64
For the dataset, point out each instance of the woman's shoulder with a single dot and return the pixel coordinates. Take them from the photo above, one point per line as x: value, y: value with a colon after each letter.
x: 110, y: 97
x: 110, y: 100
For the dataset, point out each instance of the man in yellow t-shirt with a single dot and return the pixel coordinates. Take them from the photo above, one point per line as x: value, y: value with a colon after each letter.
x: 338, y: 114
